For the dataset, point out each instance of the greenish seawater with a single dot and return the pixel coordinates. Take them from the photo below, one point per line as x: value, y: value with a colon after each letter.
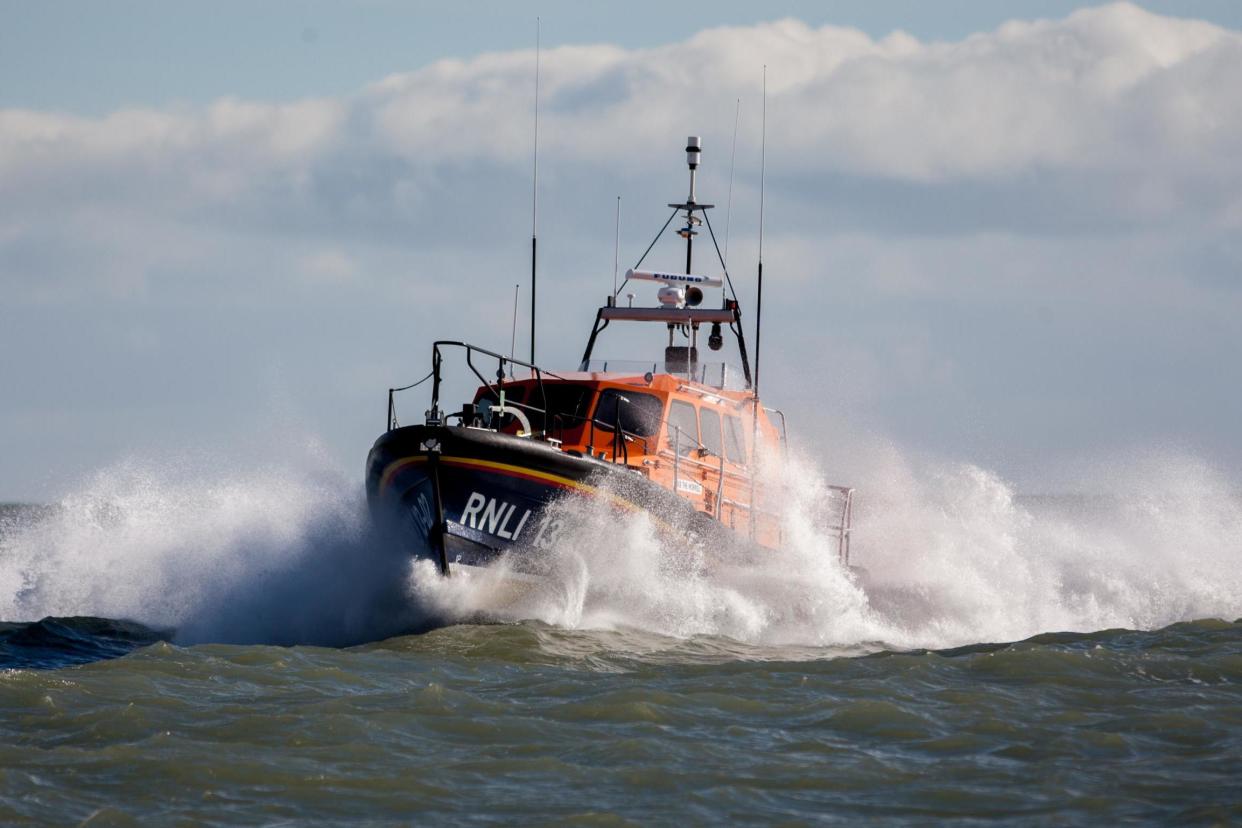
x: 233, y: 648
x: 529, y: 724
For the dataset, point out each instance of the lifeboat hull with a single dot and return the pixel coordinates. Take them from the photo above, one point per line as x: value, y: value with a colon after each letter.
x: 463, y: 497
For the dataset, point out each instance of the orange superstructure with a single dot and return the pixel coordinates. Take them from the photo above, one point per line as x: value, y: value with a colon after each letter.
x: 694, y: 440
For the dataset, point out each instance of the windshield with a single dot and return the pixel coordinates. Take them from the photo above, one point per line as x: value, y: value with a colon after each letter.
x: 637, y: 413
x: 566, y: 407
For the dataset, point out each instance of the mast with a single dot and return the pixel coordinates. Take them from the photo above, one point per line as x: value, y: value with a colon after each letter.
x: 763, y: 155
x: 513, y: 335
x: 616, y: 250
x: 534, y: 202
x: 737, y: 113
x: 694, y: 146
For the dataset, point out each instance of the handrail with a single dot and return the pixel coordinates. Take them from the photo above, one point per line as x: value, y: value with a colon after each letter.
x: 667, y: 451
x: 434, y: 414
x: 676, y: 458
x: 703, y: 450
x: 845, y: 527
x: 498, y: 388
x: 694, y: 317
x: 784, y: 433
x: 621, y: 436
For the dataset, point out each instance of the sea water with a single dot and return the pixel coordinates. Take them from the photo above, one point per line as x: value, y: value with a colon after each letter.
x: 240, y: 646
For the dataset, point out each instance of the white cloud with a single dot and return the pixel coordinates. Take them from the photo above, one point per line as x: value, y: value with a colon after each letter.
x: 918, y: 191
x: 1113, y: 90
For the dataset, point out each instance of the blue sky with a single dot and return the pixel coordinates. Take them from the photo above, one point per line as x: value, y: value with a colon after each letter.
x: 93, y: 57
x: 1001, y: 233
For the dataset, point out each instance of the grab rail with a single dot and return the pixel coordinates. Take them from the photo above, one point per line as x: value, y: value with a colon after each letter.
x: 784, y: 433
x: 434, y: 414
x: 845, y: 523
x: 621, y: 437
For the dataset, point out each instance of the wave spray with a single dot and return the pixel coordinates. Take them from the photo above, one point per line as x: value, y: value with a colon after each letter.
x: 946, y: 554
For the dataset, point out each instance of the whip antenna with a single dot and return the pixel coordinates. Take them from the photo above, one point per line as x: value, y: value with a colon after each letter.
x: 732, y: 159
x: 763, y: 154
x: 616, y: 250
x: 534, y: 202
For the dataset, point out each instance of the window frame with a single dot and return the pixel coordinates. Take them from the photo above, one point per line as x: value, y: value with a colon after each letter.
x: 705, y: 412
x: 692, y: 439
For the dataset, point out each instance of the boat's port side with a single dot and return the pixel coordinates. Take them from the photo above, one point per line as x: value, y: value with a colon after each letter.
x: 493, y: 491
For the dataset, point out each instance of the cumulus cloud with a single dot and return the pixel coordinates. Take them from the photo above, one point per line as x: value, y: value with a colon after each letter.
x: 1074, y: 165
x: 1113, y: 92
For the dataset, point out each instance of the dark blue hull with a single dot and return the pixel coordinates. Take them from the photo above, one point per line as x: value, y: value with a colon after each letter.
x: 458, y: 495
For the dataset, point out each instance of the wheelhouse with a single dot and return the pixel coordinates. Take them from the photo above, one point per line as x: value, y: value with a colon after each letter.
x: 586, y: 412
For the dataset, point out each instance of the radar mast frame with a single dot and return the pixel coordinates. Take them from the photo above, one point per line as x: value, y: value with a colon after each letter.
x: 687, y: 319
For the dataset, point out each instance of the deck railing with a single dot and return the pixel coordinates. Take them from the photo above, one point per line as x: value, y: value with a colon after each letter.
x: 435, y: 415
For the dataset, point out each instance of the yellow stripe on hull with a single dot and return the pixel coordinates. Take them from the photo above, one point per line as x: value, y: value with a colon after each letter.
x: 507, y: 468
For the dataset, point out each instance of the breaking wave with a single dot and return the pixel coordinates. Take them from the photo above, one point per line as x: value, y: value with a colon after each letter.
x: 949, y: 555
x: 943, y: 555
x: 274, y: 554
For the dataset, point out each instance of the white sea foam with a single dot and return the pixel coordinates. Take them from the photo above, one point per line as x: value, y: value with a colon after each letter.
x: 955, y: 557
x: 949, y: 555
x: 285, y: 554
x: 275, y: 554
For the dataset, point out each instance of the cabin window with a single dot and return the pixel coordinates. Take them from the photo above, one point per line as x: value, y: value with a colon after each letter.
x: 709, y: 422
x: 735, y: 444
x: 683, y: 418
x: 567, y: 406
x: 638, y: 413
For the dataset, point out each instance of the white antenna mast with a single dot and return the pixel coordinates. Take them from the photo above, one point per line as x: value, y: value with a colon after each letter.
x: 732, y: 158
x: 763, y: 155
x: 534, y: 202
x: 616, y: 251
x: 513, y: 336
